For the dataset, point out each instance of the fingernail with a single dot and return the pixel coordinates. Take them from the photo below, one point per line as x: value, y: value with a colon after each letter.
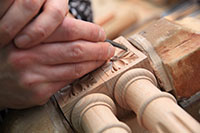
x: 22, y: 40
x: 111, y: 51
x: 102, y: 35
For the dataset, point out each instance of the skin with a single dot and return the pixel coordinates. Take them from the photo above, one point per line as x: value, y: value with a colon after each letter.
x: 29, y: 22
x: 31, y: 76
x: 41, y: 50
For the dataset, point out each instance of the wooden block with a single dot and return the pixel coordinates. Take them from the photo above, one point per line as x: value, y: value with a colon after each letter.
x: 103, y: 79
x: 174, y: 52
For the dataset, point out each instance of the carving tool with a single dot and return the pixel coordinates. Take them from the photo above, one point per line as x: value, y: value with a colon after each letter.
x: 115, y: 44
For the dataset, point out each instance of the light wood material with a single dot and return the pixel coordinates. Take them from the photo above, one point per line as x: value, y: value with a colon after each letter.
x: 103, y: 79
x: 95, y: 113
x: 174, y: 53
x: 118, y: 16
x: 157, y: 111
x: 108, y: 15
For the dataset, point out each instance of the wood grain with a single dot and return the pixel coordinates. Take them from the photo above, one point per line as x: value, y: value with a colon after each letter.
x: 179, y: 50
x: 95, y: 113
x: 103, y: 79
x: 156, y: 111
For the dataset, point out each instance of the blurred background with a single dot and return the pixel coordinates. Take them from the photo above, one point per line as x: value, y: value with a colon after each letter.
x: 126, y: 17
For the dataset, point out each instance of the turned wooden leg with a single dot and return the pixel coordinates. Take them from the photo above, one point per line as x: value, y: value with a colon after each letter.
x: 95, y: 113
x: 156, y: 111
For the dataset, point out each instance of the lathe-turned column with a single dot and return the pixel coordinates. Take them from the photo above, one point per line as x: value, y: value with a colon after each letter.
x: 95, y: 113
x: 156, y: 111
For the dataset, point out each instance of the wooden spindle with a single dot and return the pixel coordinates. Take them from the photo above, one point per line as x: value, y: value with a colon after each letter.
x: 156, y: 111
x: 95, y: 113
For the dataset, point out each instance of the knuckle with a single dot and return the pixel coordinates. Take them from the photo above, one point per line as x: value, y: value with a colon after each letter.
x: 32, y: 83
x: 19, y: 60
x: 69, y: 32
x: 77, y: 52
x: 16, y: 60
x: 40, y: 31
x: 94, y: 34
x: 104, y: 51
x: 27, y: 81
x: 56, y: 13
x: 100, y: 52
x: 78, y: 70
x: 31, y: 5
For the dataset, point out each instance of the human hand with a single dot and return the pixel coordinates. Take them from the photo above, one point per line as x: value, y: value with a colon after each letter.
x: 22, y: 18
x: 31, y: 76
x: 4, y: 6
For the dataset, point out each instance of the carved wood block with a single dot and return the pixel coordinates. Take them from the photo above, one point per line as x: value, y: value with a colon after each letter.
x: 174, y: 52
x: 103, y: 79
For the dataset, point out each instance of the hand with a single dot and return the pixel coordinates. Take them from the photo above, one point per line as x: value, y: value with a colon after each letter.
x: 31, y: 76
x: 4, y: 6
x: 23, y: 18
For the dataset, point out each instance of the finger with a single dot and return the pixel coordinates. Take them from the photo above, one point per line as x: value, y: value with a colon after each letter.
x: 78, y: 51
x: 36, y: 86
x: 56, y: 86
x: 4, y: 6
x: 73, y: 29
x: 69, y: 72
x: 39, y: 95
x: 42, y: 92
x: 43, y: 25
x: 19, y: 14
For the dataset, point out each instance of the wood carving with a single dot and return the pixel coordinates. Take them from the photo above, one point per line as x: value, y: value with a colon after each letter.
x: 135, y: 90
x: 156, y: 111
x: 103, y: 79
x: 95, y: 113
x: 174, y: 52
x: 120, y: 60
x: 172, y: 55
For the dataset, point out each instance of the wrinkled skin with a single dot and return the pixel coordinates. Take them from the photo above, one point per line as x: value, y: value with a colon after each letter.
x: 29, y: 22
x: 31, y: 76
